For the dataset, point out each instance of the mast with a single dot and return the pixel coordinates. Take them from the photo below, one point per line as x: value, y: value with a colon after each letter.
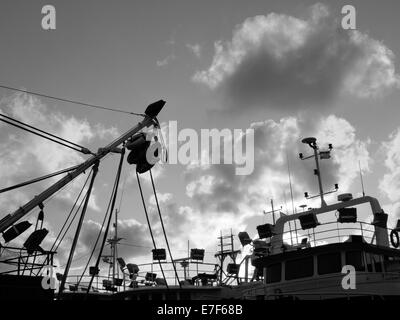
x: 149, y: 118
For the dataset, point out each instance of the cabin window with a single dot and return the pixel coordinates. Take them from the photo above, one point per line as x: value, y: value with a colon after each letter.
x: 329, y: 263
x: 355, y: 259
x: 376, y: 259
x: 274, y: 273
x: 369, y: 261
x: 392, y: 264
x: 299, y: 268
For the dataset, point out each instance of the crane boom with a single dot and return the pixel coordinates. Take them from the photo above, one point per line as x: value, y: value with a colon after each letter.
x: 149, y: 116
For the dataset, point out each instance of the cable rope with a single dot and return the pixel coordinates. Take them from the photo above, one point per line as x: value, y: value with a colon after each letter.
x: 114, y: 198
x: 84, y: 151
x: 163, y: 228
x: 26, y: 183
x: 97, y: 240
x: 149, y: 225
x: 42, y: 131
x: 70, y: 101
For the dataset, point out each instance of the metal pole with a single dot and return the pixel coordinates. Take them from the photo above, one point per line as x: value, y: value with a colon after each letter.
x: 78, y: 229
x: 321, y: 191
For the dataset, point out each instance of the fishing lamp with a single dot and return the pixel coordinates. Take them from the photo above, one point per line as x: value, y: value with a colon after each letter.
x: 308, y: 221
x: 244, y: 238
x: 265, y: 230
x: 16, y: 230
x: 132, y: 268
x: 151, y: 276
x: 159, y: 254
x: 121, y: 263
x: 197, y: 254
x: 347, y: 215
x: 33, y: 242
x: 233, y: 268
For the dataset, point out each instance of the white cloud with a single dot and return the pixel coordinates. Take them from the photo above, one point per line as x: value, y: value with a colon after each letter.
x: 195, y: 49
x: 390, y: 183
x: 24, y: 156
x: 164, y: 62
x: 282, y: 61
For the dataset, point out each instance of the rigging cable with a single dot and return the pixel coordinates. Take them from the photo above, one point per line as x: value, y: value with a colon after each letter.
x: 51, y: 175
x: 163, y: 228
x: 42, y: 131
x: 96, y: 242
x: 82, y: 150
x: 55, y: 247
x: 114, y: 198
x: 95, y: 169
x: 149, y: 225
x: 70, y: 101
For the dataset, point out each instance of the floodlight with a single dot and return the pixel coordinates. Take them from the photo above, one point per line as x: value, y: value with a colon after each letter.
x: 33, y: 242
x: 16, y: 230
x: 244, y: 238
x: 308, y: 221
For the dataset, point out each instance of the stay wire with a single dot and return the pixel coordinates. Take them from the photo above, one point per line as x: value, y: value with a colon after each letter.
x: 149, y: 225
x: 163, y: 228
x: 114, y: 198
x: 70, y: 101
x: 84, y: 151
x: 42, y: 131
x: 97, y: 239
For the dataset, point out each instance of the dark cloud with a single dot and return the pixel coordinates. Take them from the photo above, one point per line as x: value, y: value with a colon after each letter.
x: 279, y: 61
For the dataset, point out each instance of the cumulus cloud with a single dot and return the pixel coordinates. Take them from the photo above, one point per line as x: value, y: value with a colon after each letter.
x: 280, y: 61
x: 195, y: 49
x: 389, y: 185
x: 135, y: 238
x: 216, y: 191
x: 24, y: 156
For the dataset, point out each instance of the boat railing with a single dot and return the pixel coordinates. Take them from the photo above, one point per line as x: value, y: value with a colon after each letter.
x: 326, y: 233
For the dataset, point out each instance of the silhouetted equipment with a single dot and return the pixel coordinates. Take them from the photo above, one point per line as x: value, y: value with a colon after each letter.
x: 73, y: 287
x: 397, y: 225
x: 161, y: 282
x: 311, y: 141
x: 197, y: 254
x: 324, y: 155
x: 154, y: 109
x: 380, y: 220
x: 308, y: 221
x: 59, y: 276
x: 107, y: 284
x: 94, y: 271
x: 244, y: 238
x: 121, y: 263
x: 347, y: 215
x: 345, y: 197
x: 159, y: 254
x: 33, y: 242
x: 265, y: 230
x: 117, y: 282
x: 260, y: 247
x: 16, y: 230
x: 141, y: 149
x: 151, y: 276
x: 132, y: 268
x: 233, y: 268
x: 355, y: 238
x: 205, y: 278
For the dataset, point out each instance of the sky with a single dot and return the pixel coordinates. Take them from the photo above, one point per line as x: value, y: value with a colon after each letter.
x: 286, y: 69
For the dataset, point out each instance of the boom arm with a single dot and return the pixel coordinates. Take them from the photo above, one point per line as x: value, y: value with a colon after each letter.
x: 150, y: 114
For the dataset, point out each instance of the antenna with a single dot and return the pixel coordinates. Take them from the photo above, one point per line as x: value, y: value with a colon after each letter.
x: 361, y: 178
x: 312, y: 142
x: 291, y: 196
